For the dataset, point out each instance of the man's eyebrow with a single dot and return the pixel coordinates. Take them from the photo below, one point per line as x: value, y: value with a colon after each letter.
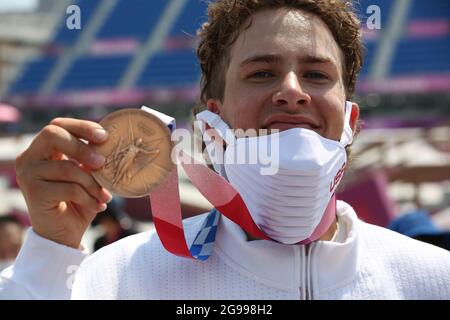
x: 273, y: 58
x: 267, y: 58
x: 316, y: 59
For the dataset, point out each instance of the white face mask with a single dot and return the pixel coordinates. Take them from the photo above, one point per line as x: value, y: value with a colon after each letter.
x: 288, y: 206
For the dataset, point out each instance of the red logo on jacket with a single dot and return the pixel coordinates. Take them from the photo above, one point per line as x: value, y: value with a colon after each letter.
x: 337, y: 177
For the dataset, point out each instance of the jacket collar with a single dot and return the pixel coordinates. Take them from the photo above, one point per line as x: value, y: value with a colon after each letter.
x: 279, y: 265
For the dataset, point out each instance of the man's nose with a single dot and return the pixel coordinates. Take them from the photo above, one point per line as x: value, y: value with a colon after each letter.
x: 290, y: 93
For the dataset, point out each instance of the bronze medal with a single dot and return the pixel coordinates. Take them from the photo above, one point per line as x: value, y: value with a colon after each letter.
x: 137, y: 152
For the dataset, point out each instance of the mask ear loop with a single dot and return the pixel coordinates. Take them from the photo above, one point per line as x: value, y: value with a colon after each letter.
x: 218, y: 131
x: 347, y: 134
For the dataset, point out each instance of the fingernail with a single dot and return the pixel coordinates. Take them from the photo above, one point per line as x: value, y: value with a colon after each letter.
x: 100, y: 134
x: 96, y: 159
x: 102, y: 207
x: 106, y: 196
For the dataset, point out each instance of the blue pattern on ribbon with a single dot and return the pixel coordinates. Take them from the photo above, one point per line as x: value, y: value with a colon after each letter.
x: 202, y: 247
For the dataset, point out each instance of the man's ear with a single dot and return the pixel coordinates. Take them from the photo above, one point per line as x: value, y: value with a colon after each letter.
x: 354, y: 116
x: 213, y: 105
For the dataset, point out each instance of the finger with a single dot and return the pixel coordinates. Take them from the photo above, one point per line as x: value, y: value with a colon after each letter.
x: 54, y: 140
x: 104, y: 190
x: 68, y: 171
x: 89, y: 215
x: 83, y: 129
x: 56, y: 192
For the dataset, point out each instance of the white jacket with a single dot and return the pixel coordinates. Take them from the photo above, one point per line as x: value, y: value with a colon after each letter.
x: 365, y: 262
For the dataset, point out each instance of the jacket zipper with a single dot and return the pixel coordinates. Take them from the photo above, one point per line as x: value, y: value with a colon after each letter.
x: 306, y: 291
x: 309, y: 286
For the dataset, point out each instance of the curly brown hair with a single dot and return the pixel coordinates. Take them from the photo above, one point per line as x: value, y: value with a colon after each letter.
x: 226, y: 19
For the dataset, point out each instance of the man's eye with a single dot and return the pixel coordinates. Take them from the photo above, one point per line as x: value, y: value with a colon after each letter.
x: 316, y: 75
x: 261, y: 75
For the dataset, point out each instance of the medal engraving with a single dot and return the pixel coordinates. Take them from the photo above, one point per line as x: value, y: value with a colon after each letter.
x: 137, y: 153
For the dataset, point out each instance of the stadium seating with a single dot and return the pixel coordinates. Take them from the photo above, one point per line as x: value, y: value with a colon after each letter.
x: 135, y: 19
x: 94, y: 72
x: 171, y: 70
x: 435, y: 9
x: 424, y: 48
x: 190, y: 19
x: 33, y: 74
x: 371, y: 43
x: 36, y: 71
x: 422, y: 56
x: 177, y: 66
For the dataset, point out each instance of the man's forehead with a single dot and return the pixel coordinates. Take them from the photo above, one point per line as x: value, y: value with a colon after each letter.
x: 294, y: 30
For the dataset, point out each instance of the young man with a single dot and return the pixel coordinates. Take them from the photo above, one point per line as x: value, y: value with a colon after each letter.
x: 266, y: 64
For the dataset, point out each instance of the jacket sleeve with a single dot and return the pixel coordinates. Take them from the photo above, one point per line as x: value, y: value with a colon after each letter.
x: 43, y: 270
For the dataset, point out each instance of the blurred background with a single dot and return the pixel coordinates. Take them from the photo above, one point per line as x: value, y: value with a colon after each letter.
x: 86, y: 58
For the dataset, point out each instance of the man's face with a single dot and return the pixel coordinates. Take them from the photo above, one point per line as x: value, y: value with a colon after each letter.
x: 285, y: 71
